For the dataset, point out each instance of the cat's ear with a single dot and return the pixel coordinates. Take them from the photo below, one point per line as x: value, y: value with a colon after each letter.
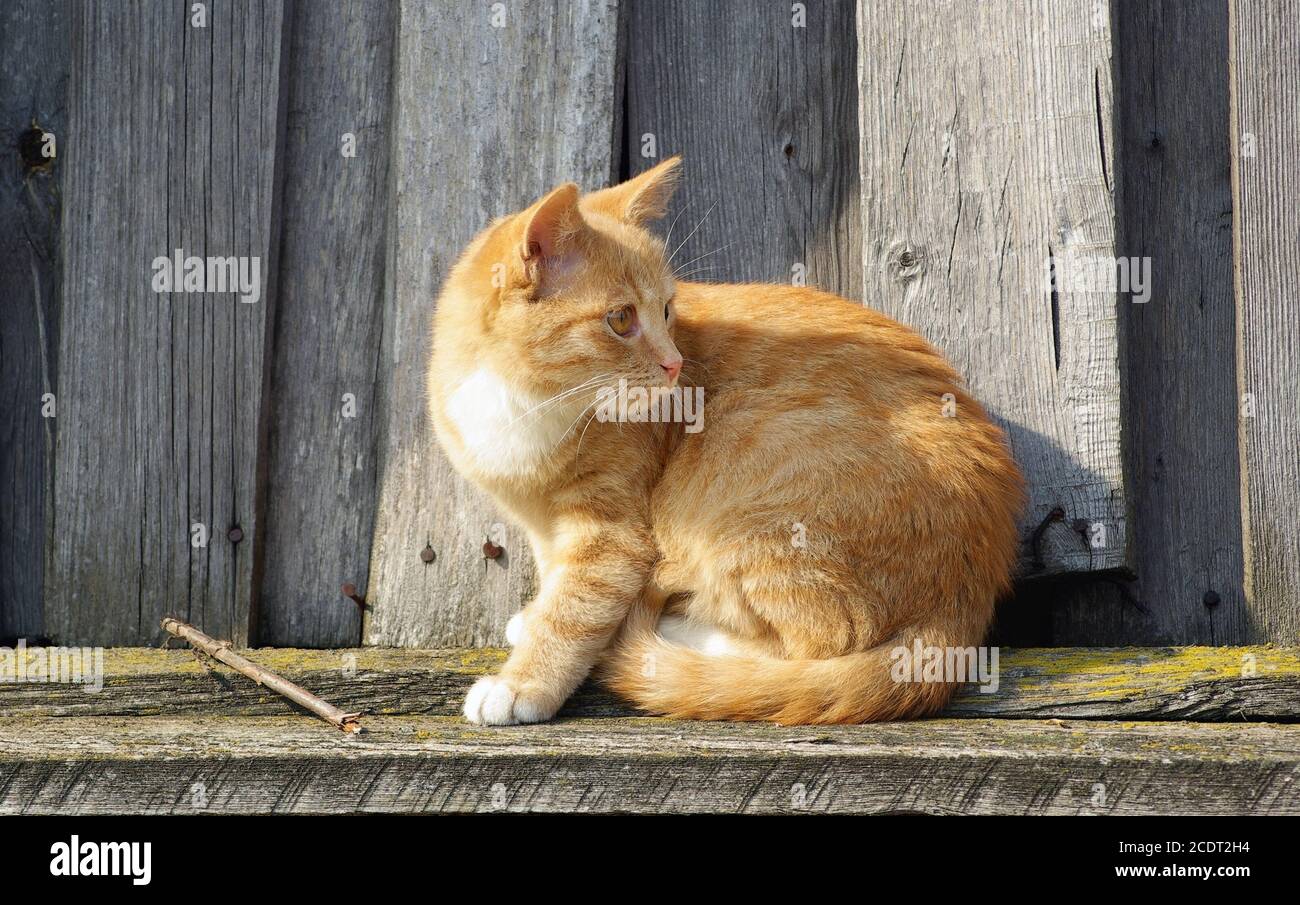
x: 550, y: 245
x: 641, y: 199
x: 552, y: 225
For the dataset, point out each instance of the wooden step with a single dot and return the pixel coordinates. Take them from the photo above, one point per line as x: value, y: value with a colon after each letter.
x: 1190, y: 683
x: 416, y: 763
x: 1068, y: 731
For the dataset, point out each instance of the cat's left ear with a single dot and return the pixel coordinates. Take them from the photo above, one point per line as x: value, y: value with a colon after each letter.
x: 640, y: 199
x: 552, y: 223
x: 552, y: 235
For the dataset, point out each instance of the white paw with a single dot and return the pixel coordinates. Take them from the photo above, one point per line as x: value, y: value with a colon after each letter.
x: 493, y: 701
x: 515, y: 629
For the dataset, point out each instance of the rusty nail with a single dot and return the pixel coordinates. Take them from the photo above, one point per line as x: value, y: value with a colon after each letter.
x: 427, y: 554
x: 350, y: 591
x: 236, y: 534
x: 491, y: 550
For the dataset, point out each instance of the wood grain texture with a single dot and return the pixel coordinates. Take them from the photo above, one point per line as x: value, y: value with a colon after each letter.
x: 173, y: 132
x: 1265, y: 82
x: 1232, y: 684
x: 764, y: 114
x: 1180, y: 385
x: 420, y: 764
x: 986, y: 157
x: 324, y: 428
x: 487, y: 119
x: 34, y: 60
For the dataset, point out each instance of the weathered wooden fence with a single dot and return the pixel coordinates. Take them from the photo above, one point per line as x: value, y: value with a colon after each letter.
x: 235, y: 462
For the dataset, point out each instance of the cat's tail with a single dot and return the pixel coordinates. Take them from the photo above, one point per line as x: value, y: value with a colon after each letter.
x: 678, y: 681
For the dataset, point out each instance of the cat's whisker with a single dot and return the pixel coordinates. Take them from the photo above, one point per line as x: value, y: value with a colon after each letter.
x: 692, y: 274
x: 705, y: 255
x: 549, y: 403
x: 669, y: 238
x: 692, y: 232
x: 583, y: 435
x: 699, y: 268
x: 594, y: 407
x: 565, y: 394
x: 595, y: 402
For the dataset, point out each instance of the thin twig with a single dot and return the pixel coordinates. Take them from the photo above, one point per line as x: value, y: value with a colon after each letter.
x: 221, y: 650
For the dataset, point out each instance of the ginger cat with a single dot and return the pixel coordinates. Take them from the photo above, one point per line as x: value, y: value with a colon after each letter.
x: 832, y: 506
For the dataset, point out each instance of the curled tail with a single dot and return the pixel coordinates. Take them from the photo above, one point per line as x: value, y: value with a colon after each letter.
x: 678, y: 681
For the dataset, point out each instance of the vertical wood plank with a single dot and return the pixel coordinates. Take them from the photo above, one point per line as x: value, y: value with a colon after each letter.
x: 495, y: 104
x: 33, y: 79
x: 323, y: 443
x: 760, y: 100
x: 173, y: 133
x: 986, y: 156
x: 1180, y: 384
x: 1265, y: 82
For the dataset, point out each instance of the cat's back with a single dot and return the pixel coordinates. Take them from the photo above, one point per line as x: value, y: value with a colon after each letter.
x: 767, y: 333
x: 795, y: 371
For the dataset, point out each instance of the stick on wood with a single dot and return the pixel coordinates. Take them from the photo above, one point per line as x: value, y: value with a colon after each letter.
x: 221, y: 650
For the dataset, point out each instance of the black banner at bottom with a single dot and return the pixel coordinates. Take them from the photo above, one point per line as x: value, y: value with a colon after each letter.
x: 135, y: 855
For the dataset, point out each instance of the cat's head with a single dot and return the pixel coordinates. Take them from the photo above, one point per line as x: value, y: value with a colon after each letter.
x: 573, y: 289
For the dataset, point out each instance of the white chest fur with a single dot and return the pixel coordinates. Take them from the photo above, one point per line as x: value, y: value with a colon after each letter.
x: 506, y: 432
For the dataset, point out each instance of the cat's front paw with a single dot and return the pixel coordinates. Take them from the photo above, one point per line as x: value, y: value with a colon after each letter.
x: 496, y: 701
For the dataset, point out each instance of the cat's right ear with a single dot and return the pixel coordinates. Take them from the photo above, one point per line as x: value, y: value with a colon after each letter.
x: 551, y: 242
x: 642, y: 198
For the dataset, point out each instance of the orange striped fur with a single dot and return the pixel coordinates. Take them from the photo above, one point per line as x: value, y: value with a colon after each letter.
x: 828, y: 511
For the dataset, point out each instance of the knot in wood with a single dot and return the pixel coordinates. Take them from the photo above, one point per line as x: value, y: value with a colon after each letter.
x: 905, y: 261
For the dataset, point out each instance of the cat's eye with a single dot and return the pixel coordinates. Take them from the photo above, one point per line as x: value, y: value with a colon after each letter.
x: 666, y: 311
x: 622, y: 321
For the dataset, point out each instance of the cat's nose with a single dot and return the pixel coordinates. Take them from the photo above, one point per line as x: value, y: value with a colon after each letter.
x: 672, y: 367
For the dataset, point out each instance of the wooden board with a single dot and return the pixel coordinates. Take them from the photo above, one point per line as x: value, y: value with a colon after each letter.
x: 487, y: 119
x: 325, y: 422
x: 1180, y: 387
x: 34, y: 60
x: 172, y: 144
x: 986, y: 157
x: 1265, y: 79
x: 764, y: 114
x: 418, y: 764
x: 1191, y: 683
